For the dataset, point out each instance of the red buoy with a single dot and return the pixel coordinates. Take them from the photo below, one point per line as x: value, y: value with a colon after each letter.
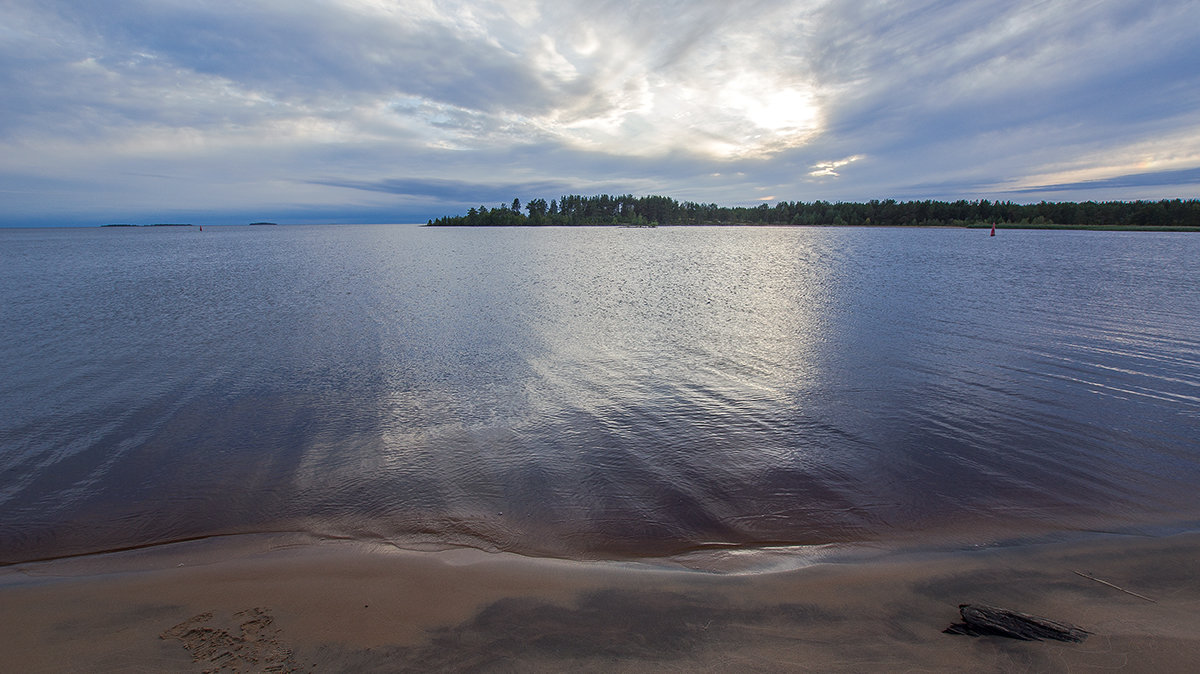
x: 993, y: 230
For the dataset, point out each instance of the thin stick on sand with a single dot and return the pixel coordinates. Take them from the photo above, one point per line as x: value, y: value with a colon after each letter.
x: 1105, y: 582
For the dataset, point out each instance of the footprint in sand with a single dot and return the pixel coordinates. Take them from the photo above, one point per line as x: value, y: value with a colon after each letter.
x: 246, y: 641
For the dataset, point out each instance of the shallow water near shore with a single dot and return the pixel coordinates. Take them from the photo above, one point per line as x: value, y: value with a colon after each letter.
x: 594, y: 393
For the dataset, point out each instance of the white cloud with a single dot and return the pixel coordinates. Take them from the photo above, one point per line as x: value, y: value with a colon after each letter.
x: 829, y: 169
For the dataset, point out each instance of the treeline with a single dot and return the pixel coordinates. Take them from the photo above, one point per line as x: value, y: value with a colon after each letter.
x: 657, y: 210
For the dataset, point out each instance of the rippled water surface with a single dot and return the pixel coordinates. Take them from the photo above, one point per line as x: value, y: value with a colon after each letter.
x: 594, y: 392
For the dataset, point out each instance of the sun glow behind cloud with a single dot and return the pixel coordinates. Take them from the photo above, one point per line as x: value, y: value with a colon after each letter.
x: 659, y: 117
x: 620, y: 91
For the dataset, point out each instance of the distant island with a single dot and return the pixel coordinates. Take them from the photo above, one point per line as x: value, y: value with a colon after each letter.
x: 650, y: 211
x: 258, y: 224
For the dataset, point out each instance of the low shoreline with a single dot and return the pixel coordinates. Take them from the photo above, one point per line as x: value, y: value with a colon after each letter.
x: 1006, y: 226
x: 346, y: 606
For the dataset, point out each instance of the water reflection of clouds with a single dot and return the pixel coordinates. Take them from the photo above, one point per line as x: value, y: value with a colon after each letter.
x: 671, y: 312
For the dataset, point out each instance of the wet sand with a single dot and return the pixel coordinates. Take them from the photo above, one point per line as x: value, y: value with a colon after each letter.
x: 274, y: 605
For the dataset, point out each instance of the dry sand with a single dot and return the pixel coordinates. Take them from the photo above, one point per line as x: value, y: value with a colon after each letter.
x: 342, y: 607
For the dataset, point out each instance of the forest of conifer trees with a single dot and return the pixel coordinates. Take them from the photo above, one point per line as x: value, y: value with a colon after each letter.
x: 627, y: 210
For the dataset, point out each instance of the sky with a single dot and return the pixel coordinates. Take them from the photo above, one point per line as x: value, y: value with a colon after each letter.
x: 301, y: 111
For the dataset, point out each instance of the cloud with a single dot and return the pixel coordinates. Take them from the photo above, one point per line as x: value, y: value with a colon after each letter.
x: 476, y: 72
x: 453, y: 191
x: 829, y: 169
x: 1188, y: 177
x: 949, y: 90
x: 327, y: 102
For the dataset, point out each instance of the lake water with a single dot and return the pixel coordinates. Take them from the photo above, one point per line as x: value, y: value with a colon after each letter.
x: 594, y: 393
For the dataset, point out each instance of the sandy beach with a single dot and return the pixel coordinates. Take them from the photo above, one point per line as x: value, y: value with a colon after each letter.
x: 271, y: 604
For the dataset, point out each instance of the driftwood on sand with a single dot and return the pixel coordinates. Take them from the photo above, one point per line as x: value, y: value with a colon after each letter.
x: 981, y: 620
